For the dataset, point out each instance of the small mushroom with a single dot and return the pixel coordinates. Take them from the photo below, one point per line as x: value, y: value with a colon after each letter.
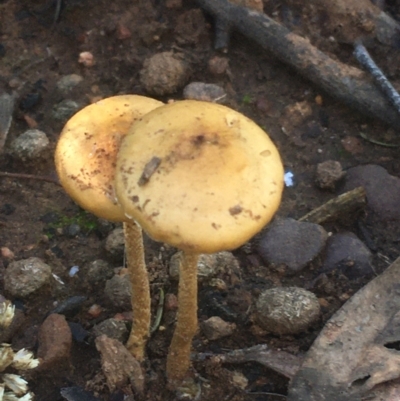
x: 203, y: 178
x: 85, y: 160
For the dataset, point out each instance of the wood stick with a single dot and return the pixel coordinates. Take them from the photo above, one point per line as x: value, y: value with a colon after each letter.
x: 347, y: 84
x: 339, y: 206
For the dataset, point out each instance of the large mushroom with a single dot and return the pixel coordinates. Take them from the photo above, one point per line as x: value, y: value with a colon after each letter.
x: 85, y: 160
x: 203, y: 178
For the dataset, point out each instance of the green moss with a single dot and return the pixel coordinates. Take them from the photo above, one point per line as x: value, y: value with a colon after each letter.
x: 86, y: 221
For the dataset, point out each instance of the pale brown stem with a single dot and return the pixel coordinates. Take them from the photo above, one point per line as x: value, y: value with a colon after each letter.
x: 178, y: 360
x: 140, y: 290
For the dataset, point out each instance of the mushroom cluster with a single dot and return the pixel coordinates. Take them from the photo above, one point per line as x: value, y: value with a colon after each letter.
x: 196, y: 175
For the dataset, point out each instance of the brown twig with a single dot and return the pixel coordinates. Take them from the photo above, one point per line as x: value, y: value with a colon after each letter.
x: 348, y: 84
x: 338, y: 206
x: 29, y: 177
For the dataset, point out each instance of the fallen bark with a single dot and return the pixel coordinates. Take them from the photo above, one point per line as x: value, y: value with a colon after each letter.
x: 348, y: 84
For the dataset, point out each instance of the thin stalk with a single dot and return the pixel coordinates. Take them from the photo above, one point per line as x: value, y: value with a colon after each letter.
x: 178, y: 360
x: 140, y: 290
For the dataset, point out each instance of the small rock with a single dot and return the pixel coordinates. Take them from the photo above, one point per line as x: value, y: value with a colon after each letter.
x: 215, y: 328
x: 26, y: 276
x: 30, y: 145
x: 118, y: 365
x: 383, y: 189
x: 171, y: 302
x: 87, y: 59
x: 329, y: 173
x: 65, y: 109
x: 112, y: 328
x: 289, y: 310
x: 98, y: 271
x: 205, y: 92
x: 218, y: 65
x: 95, y: 311
x: 352, y: 145
x: 239, y: 380
x: 115, y: 243
x: 123, y: 32
x: 346, y: 253
x: 68, y: 82
x: 71, y: 306
x: 163, y: 74
x: 72, y: 230
x: 207, y: 266
x: 291, y: 243
x: 118, y: 292
x: 7, y: 253
x: 55, y: 341
x: 295, y: 114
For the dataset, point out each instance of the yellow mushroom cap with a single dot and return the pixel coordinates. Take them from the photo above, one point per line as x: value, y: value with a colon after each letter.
x: 199, y: 176
x: 87, y: 149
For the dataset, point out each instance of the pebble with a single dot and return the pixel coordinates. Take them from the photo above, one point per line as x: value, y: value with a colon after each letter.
x: 86, y: 59
x: 7, y: 253
x: 382, y: 189
x: 112, y: 328
x: 65, y: 109
x: 118, y: 292
x: 328, y: 174
x: 218, y: 65
x: 291, y: 243
x: 296, y: 114
x: 98, y: 271
x: 30, y: 145
x: 119, y: 366
x: 71, y: 306
x: 55, y: 341
x: 346, y: 253
x: 68, y: 82
x: 206, y: 92
x: 215, y: 328
x: 163, y: 74
x: 208, y: 266
x: 23, y: 277
x: 115, y: 244
x: 287, y: 310
x: 72, y: 230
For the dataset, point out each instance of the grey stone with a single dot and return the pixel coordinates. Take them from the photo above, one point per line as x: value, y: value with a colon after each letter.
x: 65, y: 109
x: 68, y: 82
x: 205, y: 92
x: 208, y: 266
x: 383, y: 189
x: 115, y: 243
x: 347, y: 253
x: 30, y: 145
x: 24, y: 277
x: 118, y: 292
x: 291, y: 243
x: 289, y: 310
x: 164, y: 73
x: 98, y: 271
x: 112, y: 328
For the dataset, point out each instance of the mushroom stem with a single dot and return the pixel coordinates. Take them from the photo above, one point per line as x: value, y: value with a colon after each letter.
x: 140, y: 290
x: 178, y: 360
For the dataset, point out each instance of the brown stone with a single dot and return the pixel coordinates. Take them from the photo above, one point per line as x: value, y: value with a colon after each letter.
x: 55, y: 340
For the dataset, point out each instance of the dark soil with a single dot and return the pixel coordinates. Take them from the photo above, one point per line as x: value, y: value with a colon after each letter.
x: 34, y: 215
